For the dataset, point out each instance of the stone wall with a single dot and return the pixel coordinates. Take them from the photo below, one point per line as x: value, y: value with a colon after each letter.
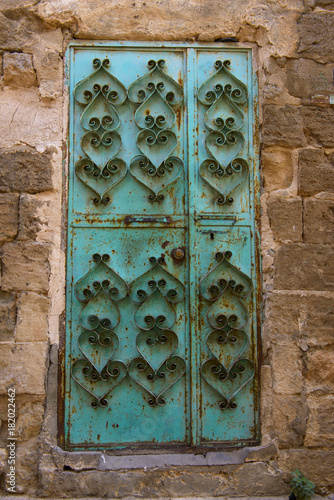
x: 294, y: 54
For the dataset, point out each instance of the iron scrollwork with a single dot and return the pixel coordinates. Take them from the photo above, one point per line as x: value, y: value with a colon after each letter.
x: 100, y: 93
x: 227, y: 372
x: 99, y: 290
x: 224, y: 94
x: 157, y: 368
x: 158, y: 97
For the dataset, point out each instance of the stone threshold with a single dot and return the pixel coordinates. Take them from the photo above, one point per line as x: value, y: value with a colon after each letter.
x: 74, y: 460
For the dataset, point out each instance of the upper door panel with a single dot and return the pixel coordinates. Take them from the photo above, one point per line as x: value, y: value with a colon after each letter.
x: 224, y: 118
x: 128, y: 132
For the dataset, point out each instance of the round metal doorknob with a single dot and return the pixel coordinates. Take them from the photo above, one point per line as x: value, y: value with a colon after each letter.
x: 178, y: 253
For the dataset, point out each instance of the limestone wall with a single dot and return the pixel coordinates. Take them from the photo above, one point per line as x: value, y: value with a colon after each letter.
x: 294, y: 55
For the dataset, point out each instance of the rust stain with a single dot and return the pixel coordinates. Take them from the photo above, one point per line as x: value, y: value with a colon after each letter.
x: 178, y: 119
x: 165, y: 243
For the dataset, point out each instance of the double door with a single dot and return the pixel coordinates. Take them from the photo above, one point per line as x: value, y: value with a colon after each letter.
x: 162, y: 320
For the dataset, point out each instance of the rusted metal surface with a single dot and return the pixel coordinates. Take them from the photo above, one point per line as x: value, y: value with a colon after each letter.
x: 162, y: 179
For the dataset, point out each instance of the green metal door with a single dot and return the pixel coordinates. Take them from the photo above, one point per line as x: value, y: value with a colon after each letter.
x: 162, y: 267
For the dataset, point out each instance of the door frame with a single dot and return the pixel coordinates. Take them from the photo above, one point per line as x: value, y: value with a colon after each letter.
x: 256, y: 213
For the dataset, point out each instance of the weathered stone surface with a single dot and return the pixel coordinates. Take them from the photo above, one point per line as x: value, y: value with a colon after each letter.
x: 319, y: 221
x: 320, y: 422
x: 29, y: 121
x: 320, y: 369
x: 49, y: 90
x: 29, y: 420
x: 319, y: 125
x: 50, y: 424
x: 32, y: 317
x: 304, y: 267
x: 26, y: 170
x: 262, y: 454
x: 202, y: 21
x: 7, y: 315
x: 29, y: 222
x: 18, y: 70
x: 317, y: 465
x: 47, y: 50
x: 316, y: 172
x: 291, y: 318
x: 285, y: 218
x: 325, y: 4
x: 26, y: 466
x: 168, y: 483
x: 76, y: 460
x: 23, y: 367
x: 25, y: 266
x: 277, y: 169
x: 287, y: 369
x: 289, y: 420
x: 3, y: 458
x: 316, y: 40
x: 306, y: 78
x: 283, y: 126
x: 9, y: 216
x: 14, y: 33
x: 256, y: 478
x: 282, y: 317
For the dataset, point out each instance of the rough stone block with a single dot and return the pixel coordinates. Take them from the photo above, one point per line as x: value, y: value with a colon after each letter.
x: 283, y: 126
x: 304, y: 267
x: 316, y: 172
x: 7, y: 315
x: 289, y: 420
x: 277, y: 169
x: 49, y: 89
x: 287, y: 369
x: 319, y: 124
x: 282, y: 317
x: 316, y: 35
x: 320, y: 422
x: 9, y: 216
x: 25, y: 266
x: 15, y: 30
x: 23, y: 367
x: 306, y: 78
x: 27, y: 455
x: 18, y: 70
x: 325, y: 4
x: 25, y: 170
x: 29, y: 222
x: 320, y: 369
x: 254, y: 479
x: 292, y: 318
x: 28, y: 120
x: 319, y: 221
x: 285, y: 218
x: 32, y: 317
x: 317, y: 465
x: 29, y: 420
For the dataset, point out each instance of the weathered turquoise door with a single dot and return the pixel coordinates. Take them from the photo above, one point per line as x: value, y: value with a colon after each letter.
x: 161, y: 271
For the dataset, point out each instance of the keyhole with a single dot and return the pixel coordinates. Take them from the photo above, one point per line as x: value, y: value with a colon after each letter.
x: 212, y: 236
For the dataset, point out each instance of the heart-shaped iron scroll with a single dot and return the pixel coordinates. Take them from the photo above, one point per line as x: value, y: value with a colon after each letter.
x: 227, y: 288
x: 156, y: 179
x: 98, y: 385
x: 156, y: 147
x: 100, y: 181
